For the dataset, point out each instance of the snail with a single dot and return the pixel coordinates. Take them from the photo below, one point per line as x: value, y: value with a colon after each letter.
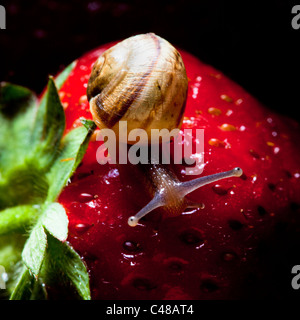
x: 142, y: 80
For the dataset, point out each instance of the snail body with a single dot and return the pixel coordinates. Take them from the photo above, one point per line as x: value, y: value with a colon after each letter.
x: 170, y: 194
x: 141, y: 80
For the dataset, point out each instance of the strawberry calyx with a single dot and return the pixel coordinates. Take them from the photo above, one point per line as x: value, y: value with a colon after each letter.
x: 37, y: 161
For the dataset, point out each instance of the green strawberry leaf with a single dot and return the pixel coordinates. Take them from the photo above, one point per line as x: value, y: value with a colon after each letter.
x: 14, y: 188
x: 50, y: 260
x: 73, y: 149
x: 34, y: 250
x: 18, y: 107
x: 18, y: 218
x: 62, y: 264
x: 24, y: 287
x: 36, y: 163
x: 28, y: 288
x: 53, y: 220
x: 13, y: 97
x: 49, y: 127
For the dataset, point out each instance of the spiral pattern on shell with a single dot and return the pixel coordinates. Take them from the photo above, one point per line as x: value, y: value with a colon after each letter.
x: 141, y: 80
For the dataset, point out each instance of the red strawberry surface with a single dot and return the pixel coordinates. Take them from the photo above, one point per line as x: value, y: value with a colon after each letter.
x: 224, y: 251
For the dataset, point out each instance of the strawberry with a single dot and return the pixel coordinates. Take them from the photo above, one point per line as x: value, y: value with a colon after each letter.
x: 228, y: 249
x: 64, y: 218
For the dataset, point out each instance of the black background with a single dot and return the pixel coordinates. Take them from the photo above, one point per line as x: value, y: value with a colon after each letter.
x: 251, y: 42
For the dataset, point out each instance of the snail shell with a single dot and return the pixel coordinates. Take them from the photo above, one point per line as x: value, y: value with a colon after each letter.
x: 141, y: 80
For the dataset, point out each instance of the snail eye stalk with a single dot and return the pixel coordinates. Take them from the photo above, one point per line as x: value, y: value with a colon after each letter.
x: 181, y: 189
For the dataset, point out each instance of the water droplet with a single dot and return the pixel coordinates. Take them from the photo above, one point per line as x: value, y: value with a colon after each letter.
x: 85, y: 197
x: 82, y: 228
x: 195, y: 92
x: 214, y: 111
x: 226, y: 98
x: 113, y: 173
x: 229, y: 112
x: 65, y: 105
x: 82, y: 99
x: 219, y: 189
x: 216, y: 143
x: 131, y: 246
x: 227, y: 127
x: 254, y: 178
x: 238, y: 102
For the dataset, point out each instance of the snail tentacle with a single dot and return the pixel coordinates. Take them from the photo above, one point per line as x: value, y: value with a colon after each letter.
x: 181, y: 189
x: 155, y: 203
x: 192, y: 185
